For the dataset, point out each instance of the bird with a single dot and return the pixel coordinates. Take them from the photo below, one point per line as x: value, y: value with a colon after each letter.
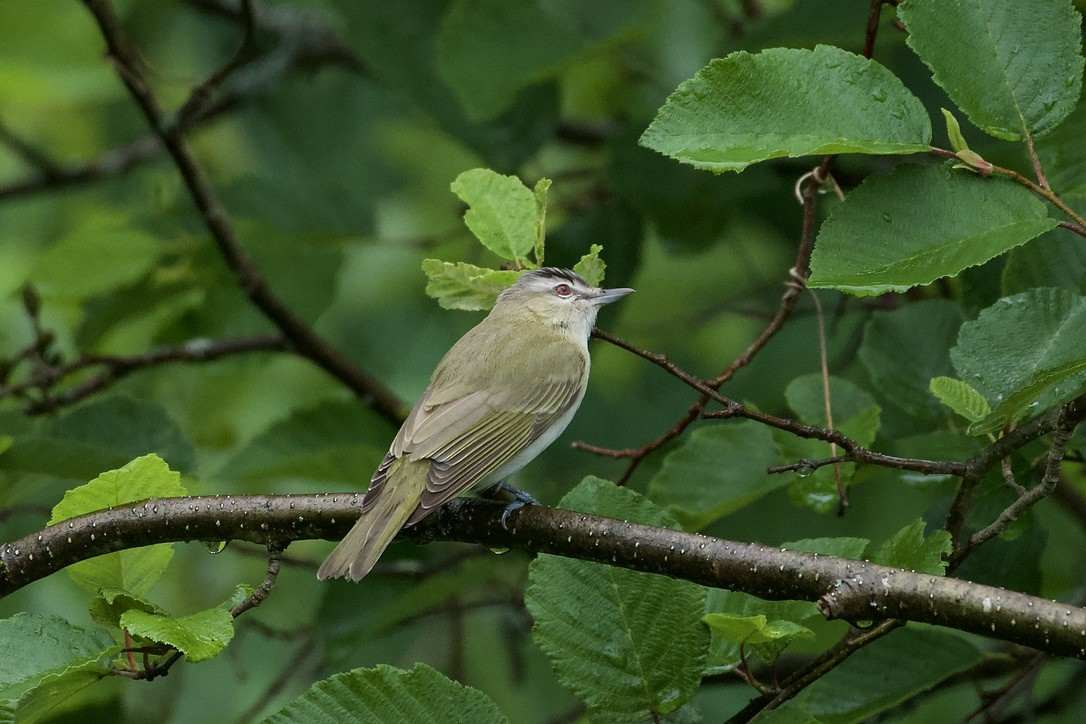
x: 501, y: 394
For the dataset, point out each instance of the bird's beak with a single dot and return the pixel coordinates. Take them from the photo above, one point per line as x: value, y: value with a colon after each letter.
x: 606, y: 296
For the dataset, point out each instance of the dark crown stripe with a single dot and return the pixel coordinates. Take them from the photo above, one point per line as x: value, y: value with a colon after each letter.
x: 551, y: 272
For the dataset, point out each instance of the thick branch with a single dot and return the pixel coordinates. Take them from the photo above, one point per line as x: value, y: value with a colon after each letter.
x: 844, y: 588
x: 305, y: 340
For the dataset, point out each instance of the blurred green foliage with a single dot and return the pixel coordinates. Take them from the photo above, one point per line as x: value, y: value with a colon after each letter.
x: 333, y: 147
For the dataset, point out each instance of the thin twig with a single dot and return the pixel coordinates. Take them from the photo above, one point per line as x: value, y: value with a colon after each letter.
x: 32, y: 155
x: 112, y: 368
x: 789, y: 299
x: 1043, y: 191
x: 1060, y: 436
x: 1041, y: 180
x: 261, y: 592
x: 201, y: 94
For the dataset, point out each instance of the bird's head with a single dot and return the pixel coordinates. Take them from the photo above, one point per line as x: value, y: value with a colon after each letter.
x: 560, y: 297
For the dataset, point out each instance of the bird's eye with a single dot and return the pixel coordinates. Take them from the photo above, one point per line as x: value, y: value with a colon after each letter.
x: 563, y: 290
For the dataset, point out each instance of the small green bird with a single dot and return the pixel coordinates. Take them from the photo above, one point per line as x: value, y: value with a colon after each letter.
x: 498, y: 398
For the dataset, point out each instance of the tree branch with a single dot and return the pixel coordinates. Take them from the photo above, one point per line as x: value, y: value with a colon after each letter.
x: 115, y: 367
x: 844, y: 588
x: 305, y: 340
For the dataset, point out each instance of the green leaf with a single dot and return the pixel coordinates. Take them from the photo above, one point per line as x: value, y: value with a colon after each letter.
x: 909, y: 549
x: 754, y: 629
x: 522, y: 39
x: 880, y: 676
x: 591, y: 266
x: 818, y: 489
x: 199, y: 636
x: 1057, y: 259
x: 626, y: 643
x: 465, y: 286
x: 111, y: 603
x: 329, y: 442
x: 767, y: 638
x: 387, y: 694
x: 100, y: 435
x: 1024, y: 354
x: 919, y: 224
x: 724, y: 653
x: 961, y: 398
x: 44, y: 660
x: 91, y: 261
x: 503, y: 213
x: 134, y: 569
x: 716, y: 471
x: 954, y: 132
x: 1015, y: 68
x: 806, y: 396
x: 904, y: 348
x: 747, y: 108
x: 33, y: 645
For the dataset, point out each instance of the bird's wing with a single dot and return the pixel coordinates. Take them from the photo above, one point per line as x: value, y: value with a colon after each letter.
x: 467, y: 436
x: 504, y: 428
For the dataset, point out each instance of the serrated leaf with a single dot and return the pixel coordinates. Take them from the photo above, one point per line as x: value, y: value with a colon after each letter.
x: 626, y: 643
x: 919, y: 224
x: 110, y: 604
x: 767, y: 638
x: 135, y: 569
x: 747, y: 108
x: 716, y: 471
x: 754, y: 629
x: 909, y: 549
x: 904, y: 348
x: 44, y: 660
x: 1024, y: 353
x: 591, y: 266
x: 1015, y: 68
x: 724, y: 655
x: 503, y: 213
x: 961, y: 398
x: 199, y: 636
x: 32, y: 645
x: 465, y: 286
x: 388, y: 694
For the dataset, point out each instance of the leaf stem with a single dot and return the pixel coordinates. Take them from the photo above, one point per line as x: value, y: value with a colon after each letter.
x: 1043, y: 191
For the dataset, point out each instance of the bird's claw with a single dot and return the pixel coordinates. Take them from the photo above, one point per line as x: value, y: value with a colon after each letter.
x: 520, y: 499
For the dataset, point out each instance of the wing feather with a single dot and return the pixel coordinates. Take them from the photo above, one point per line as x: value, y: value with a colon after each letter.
x: 468, y: 436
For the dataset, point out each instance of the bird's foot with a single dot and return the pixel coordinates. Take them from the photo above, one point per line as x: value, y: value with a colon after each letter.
x: 504, y: 491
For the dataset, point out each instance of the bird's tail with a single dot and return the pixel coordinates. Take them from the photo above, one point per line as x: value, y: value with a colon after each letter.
x: 357, y: 553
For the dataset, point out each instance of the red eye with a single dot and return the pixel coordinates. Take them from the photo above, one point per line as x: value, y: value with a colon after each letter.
x: 563, y: 290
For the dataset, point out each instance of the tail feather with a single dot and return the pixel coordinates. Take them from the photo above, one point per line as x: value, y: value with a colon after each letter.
x: 357, y: 553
